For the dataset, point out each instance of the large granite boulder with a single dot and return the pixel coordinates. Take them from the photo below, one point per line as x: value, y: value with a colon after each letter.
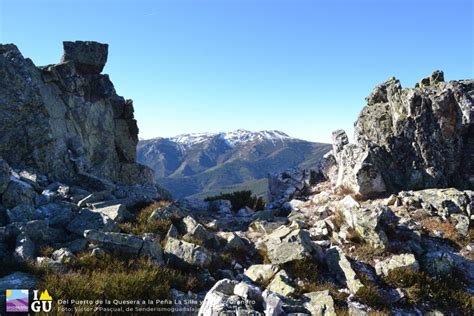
x: 66, y: 120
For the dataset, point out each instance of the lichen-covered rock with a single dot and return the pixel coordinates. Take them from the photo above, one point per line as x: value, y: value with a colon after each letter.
x: 125, y: 243
x: 248, y: 291
x: 370, y: 222
x: 438, y: 263
x: 214, y: 303
x: 24, y: 248
x: 406, y: 261
x: 63, y: 255
x: 115, y: 241
x: 23, y: 213
x: 287, y: 244
x: 408, y: 139
x: 424, y: 136
x: 56, y: 214
x: 17, y: 280
x: 182, y: 253
x: 342, y: 269
x: 65, y: 120
x: 462, y: 224
x: 117, y: 212
x: 320, y: 303
x: 281, y: 284
x: 87, y: 219
x: 272, y: 304
x: 261, y: 273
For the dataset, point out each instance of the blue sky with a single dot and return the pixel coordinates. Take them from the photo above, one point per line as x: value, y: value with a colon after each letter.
x: 303, y: 67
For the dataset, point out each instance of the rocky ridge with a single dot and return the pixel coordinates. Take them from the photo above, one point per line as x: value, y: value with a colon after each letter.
x: 332, y: 241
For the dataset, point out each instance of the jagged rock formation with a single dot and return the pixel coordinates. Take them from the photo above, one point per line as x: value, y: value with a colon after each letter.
x: 409, y: 139
x: 66, y: 120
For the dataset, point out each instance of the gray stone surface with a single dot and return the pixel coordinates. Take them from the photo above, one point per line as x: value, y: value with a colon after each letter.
x: 342, y: 269
x: 65, y: 120
x: 261, y: 273
x: 19, y: 192
x: 287, y: 244
x: 87, y: 219
x: 89, y: 58
x: 320, y: 303
x: 422, y: 137
x: 406, y: 261
x: 5, y: 174
x: 126, y: 243
x: 181, y: 253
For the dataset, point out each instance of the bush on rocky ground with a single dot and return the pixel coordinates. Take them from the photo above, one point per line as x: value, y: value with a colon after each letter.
x: 240, y: 199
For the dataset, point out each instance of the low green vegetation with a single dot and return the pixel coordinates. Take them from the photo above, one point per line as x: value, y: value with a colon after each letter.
x: 141, y: 224
x: 240, y: 199
x: 445, y: 293
x: 92, y: 278
x: 309, y: 276
x: 370, y: 296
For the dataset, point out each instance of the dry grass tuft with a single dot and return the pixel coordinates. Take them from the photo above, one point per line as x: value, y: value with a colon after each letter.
x: 142, y: 225
x: 449, y: 230
x: 445, y: 293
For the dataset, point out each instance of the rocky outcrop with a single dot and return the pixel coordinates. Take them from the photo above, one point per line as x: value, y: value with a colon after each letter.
x: 66, y: 120
x: 409, y: 139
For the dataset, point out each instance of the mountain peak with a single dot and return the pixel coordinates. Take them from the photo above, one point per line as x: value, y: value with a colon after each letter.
x: 245, y: 136
x: 232, y: 138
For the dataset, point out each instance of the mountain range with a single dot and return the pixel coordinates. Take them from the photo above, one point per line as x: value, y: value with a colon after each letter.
x: 203, y: 164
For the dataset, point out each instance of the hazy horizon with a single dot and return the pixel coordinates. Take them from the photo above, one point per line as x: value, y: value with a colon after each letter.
x: 302, y: 67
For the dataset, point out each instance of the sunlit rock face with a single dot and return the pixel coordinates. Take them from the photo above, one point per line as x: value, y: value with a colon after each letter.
x: 412, y: 138
x: 66, y: 120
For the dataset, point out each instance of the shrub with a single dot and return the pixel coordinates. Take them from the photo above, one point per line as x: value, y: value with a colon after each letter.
x: 445, y: 293
x: 240, y: 199
x: 142, y: 225
x: 310, y: 279
x: 370, y: 296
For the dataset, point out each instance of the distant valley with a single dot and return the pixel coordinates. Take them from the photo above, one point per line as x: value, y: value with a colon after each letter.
x: 206, y: 164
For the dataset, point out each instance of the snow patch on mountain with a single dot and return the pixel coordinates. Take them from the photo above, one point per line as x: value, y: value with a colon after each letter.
x: 243, y: 136
x: 234, y: 138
